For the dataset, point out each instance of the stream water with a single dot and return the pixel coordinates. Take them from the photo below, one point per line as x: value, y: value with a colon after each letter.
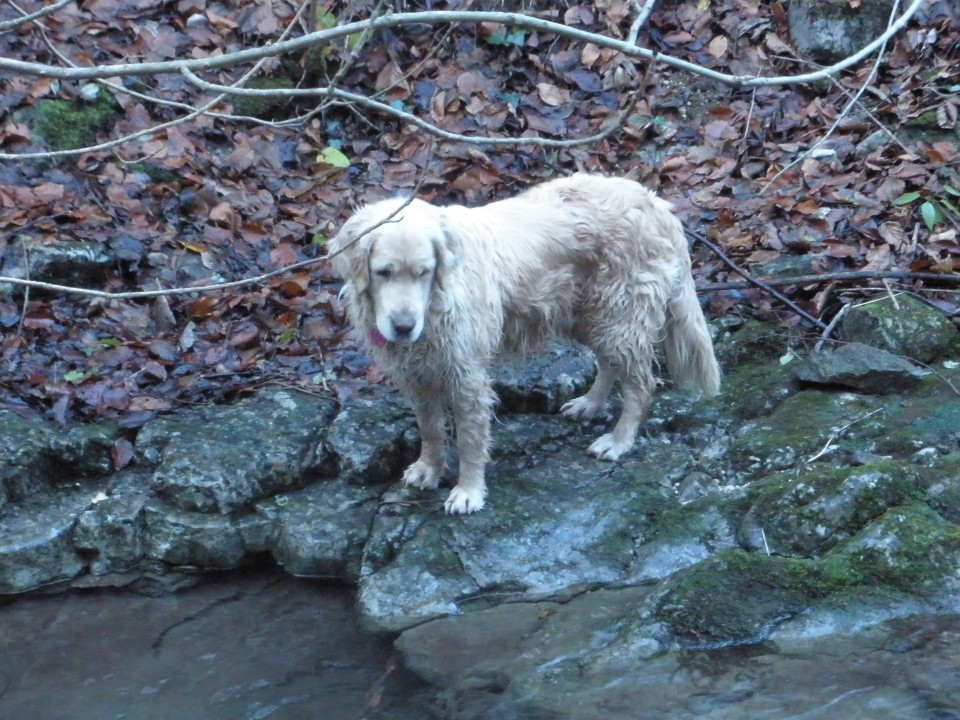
x: 244, y: 645
x: 264, y: 645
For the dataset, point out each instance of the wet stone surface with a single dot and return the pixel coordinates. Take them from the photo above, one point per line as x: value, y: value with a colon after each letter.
x: 781, y: 512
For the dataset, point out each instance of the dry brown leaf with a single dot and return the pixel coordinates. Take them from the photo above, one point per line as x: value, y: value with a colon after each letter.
x: 776, y: 45
x: 553, y: 95
x: 589, y: 55
x: 891, y: 233
x: 718, y: 46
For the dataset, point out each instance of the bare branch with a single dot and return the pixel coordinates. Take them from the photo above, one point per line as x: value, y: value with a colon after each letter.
x: 142, y: 294
x: 846, y: 110
x: 43, y: 12
x: 435, y: 18
x: 191, y: 67
x: 643, y: 12
x: 363, y: 100
x: 845, y: 276
x: 766, y: 287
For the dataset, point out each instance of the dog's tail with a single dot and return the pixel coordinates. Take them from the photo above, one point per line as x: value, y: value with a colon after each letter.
x: 687, y: 342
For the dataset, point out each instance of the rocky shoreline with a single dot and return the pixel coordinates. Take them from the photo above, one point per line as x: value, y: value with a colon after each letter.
x: 814, y: 496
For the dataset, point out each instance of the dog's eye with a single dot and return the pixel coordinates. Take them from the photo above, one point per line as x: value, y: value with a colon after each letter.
x: 384, y: 273
x: 424, y: 272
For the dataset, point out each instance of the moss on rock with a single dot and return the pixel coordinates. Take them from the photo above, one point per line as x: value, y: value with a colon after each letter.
x: 805, y: 515
x: 264, y: 106
x: 801, y: 425
x: 911, y: 548
x: 68, y: 125
x: 738, y: 597
x: 903, y: 326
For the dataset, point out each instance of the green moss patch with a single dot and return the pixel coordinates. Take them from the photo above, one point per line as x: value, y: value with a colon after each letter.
x: 68, y: 125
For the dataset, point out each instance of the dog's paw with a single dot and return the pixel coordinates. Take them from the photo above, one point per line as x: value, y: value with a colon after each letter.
x: 463, y: 501
x: 607, y: 447
x: 581, y: 408
x: 421, y: 475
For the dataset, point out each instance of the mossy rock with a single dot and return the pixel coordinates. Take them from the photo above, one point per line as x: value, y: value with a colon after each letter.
x: 930, y: 418
x: 806, y: 515
x: 750, y: 343
x: 155, y: 172
x: 68, y: 125
x: 263, y: 107
x: 802, y: 425
x: 943, y: 481
x: 740, y: 597
x: 737, y: 597
x: 829, y: 30
x: 910, y: 548
x: 903, y: 326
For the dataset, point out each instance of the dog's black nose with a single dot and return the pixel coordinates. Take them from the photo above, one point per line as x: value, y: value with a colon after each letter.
x: 403, y: 328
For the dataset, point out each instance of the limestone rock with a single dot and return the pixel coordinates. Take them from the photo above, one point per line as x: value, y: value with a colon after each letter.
x: 372, y: 440
x: 831, y: 30
x: 860, y: 367
x: 200, y: 540
x: 901, y: 325
x: 225, y: 459
x: 320, y: 531
x: 64, y: 262
x: 36, y: 547
x: 110, y: 532
x: 546, y: 380
x: 565, y: 524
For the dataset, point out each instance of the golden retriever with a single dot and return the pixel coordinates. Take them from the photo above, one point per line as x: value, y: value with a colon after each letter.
x: 439, y: 292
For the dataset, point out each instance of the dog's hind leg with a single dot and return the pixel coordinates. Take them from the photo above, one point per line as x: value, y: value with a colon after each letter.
x: 637, y: 394
x: 592, y: 403
x: 431, y: 420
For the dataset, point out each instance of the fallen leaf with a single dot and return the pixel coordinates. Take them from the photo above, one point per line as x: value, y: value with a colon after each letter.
x: 718, y: 46
x: 333, y: 157
x: 553, y: 95
x: 121, y: 452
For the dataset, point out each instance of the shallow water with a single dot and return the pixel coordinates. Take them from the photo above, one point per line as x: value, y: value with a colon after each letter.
x: 906, y: 669
x: 264, y: 645
x: 260, y: 645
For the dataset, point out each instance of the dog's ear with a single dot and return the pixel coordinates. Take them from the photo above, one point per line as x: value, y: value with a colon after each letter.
x: 446, y: 247
x: 351, y: 254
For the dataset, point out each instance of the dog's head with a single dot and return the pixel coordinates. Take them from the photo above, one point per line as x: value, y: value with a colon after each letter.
x: 393, y: 257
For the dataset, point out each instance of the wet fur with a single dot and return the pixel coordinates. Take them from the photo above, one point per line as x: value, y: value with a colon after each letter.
x: 600, y: 260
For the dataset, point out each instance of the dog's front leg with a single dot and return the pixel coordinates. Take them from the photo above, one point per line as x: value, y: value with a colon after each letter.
x: 473, y: 403
x: 431, y: 421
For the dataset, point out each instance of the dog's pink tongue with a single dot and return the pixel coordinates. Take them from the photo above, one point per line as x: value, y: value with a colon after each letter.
x: 377, y: 338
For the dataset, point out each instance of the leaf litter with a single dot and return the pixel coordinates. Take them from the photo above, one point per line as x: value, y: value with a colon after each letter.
x: 225, y: 198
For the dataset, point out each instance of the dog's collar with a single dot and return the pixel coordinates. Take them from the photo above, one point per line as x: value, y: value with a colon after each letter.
x: 377, y: 338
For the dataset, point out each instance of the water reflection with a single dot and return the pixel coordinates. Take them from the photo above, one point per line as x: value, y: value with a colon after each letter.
x: 263, y: 645
x: 260, y: 645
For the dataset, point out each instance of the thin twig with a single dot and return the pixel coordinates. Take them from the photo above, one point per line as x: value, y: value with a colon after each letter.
x: 832, y: 326
x: 192, y: 115
x: 940, y: 375
x: 643, y: 12
x: 48, y: 10
x: 837, y: 432
x: 26, y: 292
x: 140, y: 294
x: 701, y: 238
x: 846, y: 110
x: 356, y: 99
x: 195, y: 65
x: 844, y: 276
x: 746, y: 125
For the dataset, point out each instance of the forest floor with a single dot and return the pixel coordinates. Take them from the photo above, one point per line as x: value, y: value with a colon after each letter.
x: 221, y: 198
